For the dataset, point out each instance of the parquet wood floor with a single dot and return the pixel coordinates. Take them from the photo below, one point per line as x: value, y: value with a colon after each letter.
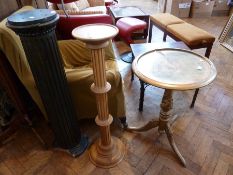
x: 203, y: 134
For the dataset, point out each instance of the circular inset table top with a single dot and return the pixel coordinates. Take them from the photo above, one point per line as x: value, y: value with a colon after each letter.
x: 174, y: 69
x: 92, y: 33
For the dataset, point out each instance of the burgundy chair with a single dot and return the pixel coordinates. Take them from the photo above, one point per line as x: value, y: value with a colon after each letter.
x: 69, y: 21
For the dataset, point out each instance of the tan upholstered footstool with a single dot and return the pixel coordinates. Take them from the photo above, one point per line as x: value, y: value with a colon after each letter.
x: 165, y: 19
x: 192, y: 36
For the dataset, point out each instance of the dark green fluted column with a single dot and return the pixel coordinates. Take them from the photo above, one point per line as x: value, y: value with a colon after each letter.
x: 36, y: 29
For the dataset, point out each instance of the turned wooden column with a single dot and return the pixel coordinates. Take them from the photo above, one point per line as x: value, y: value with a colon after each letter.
x: 107, y: 151
x: 36, y: 29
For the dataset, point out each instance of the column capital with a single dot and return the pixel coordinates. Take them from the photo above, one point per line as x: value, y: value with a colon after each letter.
x: 36, y: 22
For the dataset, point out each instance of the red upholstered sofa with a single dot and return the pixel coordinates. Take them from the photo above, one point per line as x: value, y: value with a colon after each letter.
x: 74, y: 18
x: 67, y: 24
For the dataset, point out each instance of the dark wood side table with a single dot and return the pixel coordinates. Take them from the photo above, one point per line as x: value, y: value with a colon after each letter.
x: 130, y: 11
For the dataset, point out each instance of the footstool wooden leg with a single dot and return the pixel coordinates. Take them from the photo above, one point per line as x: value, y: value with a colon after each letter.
x: 164, y: 36
x: 142, y: 92
x: 208, y: 50
x: 194, y: 98
x: 132, y: 73
x: 150, y: 32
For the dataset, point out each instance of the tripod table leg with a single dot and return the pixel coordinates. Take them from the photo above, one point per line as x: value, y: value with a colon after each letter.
x: 165, y: 114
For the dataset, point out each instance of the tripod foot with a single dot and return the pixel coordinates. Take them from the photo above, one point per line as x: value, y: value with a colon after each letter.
x: 173, y: 145
x: 148, y: 126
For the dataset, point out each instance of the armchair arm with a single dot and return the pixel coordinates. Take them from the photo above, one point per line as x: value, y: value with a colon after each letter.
x: 96, y: 3
x: 66, y: 25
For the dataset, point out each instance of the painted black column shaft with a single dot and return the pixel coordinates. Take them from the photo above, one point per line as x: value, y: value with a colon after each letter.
x: 36, y: 29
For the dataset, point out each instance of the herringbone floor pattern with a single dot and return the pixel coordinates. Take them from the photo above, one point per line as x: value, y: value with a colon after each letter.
x: 203, y: 134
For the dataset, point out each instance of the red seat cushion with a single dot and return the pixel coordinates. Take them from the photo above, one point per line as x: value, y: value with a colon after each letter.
x: 129, y: 25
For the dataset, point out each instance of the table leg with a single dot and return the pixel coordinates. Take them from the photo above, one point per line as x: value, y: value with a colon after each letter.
x: 165, y: 114
x: 151, y: 124
x: 132, y: 73
x: 150, y: 31
x: 145, y: 32
x: 163, y: 122
x: 173, y: 144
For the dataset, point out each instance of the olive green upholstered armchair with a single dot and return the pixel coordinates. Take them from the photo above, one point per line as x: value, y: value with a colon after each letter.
x: 77, y: 64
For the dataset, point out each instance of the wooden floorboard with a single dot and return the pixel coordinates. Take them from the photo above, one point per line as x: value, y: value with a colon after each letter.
x: 203, y: 134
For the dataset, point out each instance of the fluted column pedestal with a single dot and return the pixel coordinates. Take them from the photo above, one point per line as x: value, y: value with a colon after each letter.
x: 107, y: 151
x: 36, y: 29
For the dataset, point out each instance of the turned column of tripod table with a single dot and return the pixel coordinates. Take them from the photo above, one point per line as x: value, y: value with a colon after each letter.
x: 107, y: 151
x: 171, y: 69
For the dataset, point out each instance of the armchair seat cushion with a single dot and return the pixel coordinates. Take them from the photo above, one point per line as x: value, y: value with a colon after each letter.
x: 81, y: 78
x: 75, y: 54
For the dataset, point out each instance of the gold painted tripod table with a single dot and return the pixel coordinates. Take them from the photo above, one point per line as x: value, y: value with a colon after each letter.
x: 172, y: 69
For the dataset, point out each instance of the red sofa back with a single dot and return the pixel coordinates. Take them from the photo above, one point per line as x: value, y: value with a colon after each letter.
x: 67, y: 24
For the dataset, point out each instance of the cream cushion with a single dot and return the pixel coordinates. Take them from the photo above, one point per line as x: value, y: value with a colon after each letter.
x: 165, y: 19
x: 190, y: 34
x: 68, y: 6
x: 82, y: 4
